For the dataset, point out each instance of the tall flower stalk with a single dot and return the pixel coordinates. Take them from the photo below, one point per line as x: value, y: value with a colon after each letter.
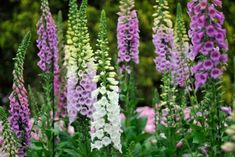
x: 171, y: 50
x: 171, y: 46
x: 208, y: 40
x: 180, y: 67
x: 128, y: 53
x: 47, y: 44
x: 106, y: 123
x: 71, y: 51
x: 80, y: 64
x: 62, y: 102
x: 208, y: 49
x: 127, y: 36
x: 19, y: 107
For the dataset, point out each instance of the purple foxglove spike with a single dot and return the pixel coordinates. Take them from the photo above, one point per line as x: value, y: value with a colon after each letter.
x: 19, y: 107
x: 208, y: 39
x: 127, y: 36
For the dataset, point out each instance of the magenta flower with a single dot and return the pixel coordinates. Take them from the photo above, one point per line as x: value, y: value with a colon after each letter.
x: 208, y: 40
x: 210, y: 31
x: 47, y: 44
x: 216, y: 73
x: 208, y: 64
x: 127, y: 36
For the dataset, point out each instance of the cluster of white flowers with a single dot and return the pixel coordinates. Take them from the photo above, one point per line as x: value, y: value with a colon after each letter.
x: 106, y: 122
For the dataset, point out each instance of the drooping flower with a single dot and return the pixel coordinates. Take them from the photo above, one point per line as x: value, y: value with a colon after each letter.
x: 106, y: 122
x: 47, y: 44
x: 163, y: 37
x: 3, y: 154
x: 179, y: 144
x: 208, y: 40
x: 79, y: 62
x: 187, y: 113
x: 227, y: 110
x: 127, y: 36
x: 71, y: 130
x: 19, y: 107
x: 228, y: 147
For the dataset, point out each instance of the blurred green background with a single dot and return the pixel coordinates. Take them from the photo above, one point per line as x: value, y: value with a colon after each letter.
x: 19, y: 16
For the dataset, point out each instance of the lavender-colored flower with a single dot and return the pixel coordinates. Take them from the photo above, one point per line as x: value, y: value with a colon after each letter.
x: 127, y: 36
x: 180, y: 67
x: 163, y: 40
x: 163, y: 37
x: 208, y: 40
x: 171, y: 47
x: 227, y: 110
x: 19, y: 110
x: 47, y: 44
x: 79, y: 96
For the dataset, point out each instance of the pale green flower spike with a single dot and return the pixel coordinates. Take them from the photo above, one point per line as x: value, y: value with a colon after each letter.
x: 162, y: 15
x: 180, y: 33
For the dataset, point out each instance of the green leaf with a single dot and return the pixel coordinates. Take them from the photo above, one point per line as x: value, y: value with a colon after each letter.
x: 141, y: 123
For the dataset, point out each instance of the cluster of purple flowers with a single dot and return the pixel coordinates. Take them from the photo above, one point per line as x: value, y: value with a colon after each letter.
x: 180, y: 69
x: 19, y: 118
x: 128, y: 37
x: 79, y: 99
x: 47, y: 44
x: 71, y: 100
x: 168, y: 59
x: 163, y: 40
x: 208, y: 39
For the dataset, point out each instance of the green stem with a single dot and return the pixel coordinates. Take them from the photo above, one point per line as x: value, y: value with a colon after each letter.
x: 187, y: 143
